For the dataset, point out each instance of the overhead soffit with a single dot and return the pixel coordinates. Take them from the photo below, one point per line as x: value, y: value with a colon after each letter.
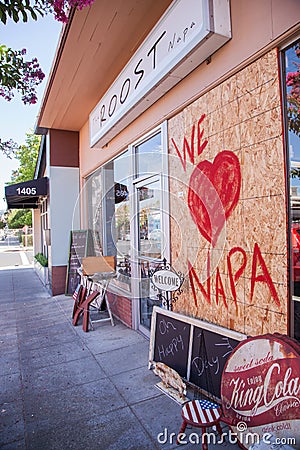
x: 92, y: 52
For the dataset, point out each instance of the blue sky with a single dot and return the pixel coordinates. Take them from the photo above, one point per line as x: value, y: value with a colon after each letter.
x: 40, y: 38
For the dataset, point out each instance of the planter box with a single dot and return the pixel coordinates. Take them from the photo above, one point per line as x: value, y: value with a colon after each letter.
x: 42, y: 272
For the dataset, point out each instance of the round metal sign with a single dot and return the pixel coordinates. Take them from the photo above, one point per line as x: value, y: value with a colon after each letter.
x: 166, y: 280
x: 260, y: 390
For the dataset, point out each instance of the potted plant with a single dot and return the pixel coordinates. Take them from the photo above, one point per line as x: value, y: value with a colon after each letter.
x: 41, y: 268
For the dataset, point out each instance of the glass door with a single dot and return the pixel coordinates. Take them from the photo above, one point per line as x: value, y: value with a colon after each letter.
x: 150, y: 244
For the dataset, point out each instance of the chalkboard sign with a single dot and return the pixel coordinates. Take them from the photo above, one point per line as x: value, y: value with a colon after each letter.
x: 81, y: 245
x: 172, y: 343
x: 210, y: 351
x: 197, y: 350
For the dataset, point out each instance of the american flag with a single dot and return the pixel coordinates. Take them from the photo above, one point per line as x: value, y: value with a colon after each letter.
x: 76, y: 293
x: 201, y: 411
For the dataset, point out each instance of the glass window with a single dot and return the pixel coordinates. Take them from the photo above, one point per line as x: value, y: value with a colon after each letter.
x: 124, y: 210
x: 149, y: 156
x: 44, y: 226
x: 94, y: 208
x: 150, y: 227
x: 148, y: 295
x: 292, y: 104
x: 150, y: 242
x: 109, y: 213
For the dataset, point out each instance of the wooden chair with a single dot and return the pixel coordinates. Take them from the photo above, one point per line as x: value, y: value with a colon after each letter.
x: 77, y: 297
x: 97, y: 272
x: 85, y: 296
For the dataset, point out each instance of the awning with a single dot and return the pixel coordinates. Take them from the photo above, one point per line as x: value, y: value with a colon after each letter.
x: 26, y: 194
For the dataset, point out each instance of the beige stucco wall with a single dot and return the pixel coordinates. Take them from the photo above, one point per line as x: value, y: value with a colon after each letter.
x: 238, y: 274
x: 257, y: 27
x: 37, y: 238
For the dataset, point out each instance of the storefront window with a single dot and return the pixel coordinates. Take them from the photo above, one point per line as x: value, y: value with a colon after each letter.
x: 94, y: 208
x: 149, y: 156
x: 109, y: 213
x: 127, y: 208
x: 150, y: 242
x: 150, y: 227
x: 292, y: 103
x: 116, y: 218
x: 45, y: 226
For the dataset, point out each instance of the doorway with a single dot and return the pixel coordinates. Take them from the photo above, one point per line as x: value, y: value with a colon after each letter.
x: 150, y: 243
x: 150, y: 224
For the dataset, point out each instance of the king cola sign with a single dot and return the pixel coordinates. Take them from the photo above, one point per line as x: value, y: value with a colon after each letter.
x: 261, y: 387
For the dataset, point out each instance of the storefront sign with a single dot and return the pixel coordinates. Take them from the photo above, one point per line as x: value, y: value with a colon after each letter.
x: 26, y: 194
x: 261, y: 387
x: 188, y: 33
x: 30, y: 188
x: 121, y: 192
x: 197, y: 350
x: 166, y: 280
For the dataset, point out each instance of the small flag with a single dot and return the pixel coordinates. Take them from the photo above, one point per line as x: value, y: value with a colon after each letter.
x: 206, y: 404
x: 201, y: 411
x: 76, y: 293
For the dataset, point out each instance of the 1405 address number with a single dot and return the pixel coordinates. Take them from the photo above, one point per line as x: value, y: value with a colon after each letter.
x: 26, y: 191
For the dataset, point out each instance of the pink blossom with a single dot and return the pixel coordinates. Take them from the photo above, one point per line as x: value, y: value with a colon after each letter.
x: 292, y: 77
x: 61, y: 8
x: 25, y: 76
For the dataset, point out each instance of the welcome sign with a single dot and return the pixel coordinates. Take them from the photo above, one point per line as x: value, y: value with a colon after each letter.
x: 261, y: 387
x: 166, y: 280
x: 187, y: 34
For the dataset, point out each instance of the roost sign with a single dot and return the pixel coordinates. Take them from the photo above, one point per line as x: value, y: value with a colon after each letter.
x: 186, y: 35
x: 261, y: 388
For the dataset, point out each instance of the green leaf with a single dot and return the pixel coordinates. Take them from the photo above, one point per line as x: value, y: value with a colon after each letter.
x: 33, y: 14
x: 15, y: 16
x: 25, y: 19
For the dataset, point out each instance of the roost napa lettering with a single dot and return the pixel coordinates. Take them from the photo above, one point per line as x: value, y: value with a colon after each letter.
x: 162, y: 60
x: 143, y: 69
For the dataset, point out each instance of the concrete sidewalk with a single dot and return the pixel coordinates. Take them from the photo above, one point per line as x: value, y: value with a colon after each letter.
x: 65, y: 389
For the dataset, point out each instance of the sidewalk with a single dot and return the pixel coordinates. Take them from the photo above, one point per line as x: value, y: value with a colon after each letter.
x: 12, y: 255
x: 65, y: 389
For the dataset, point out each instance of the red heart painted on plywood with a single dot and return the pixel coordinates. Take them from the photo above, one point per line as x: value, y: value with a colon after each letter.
x: 214, y: 191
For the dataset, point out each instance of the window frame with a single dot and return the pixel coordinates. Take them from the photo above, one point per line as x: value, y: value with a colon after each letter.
x: 131, y: 149
x: 286, y: 142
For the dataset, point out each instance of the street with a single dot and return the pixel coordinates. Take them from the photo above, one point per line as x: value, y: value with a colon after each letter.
x: 13, y: 255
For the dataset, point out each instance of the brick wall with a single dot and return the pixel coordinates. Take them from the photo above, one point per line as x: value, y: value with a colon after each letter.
x: 58, y: 279
x: 121, y: 307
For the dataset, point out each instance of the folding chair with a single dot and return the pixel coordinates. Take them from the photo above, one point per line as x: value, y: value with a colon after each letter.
x: 96, y: 273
